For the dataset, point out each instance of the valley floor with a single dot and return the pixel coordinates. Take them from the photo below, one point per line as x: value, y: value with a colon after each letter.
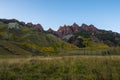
x: 61, y: 68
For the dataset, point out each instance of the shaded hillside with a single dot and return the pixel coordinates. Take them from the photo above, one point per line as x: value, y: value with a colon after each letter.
x: 87, y: 36
x: 20, y: 38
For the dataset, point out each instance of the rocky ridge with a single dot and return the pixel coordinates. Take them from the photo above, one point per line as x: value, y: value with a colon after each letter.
x: 74, y: 33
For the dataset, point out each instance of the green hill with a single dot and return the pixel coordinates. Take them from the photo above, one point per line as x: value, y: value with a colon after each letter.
x: 21, y: 39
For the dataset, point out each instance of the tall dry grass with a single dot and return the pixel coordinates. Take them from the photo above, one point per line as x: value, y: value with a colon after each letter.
x: 61, y: 68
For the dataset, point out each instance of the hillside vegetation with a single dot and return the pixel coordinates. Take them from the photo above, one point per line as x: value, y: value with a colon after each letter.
x: 20, y: 39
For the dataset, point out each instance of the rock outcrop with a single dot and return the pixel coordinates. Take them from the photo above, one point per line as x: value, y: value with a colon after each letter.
x: 36, y: 26
x: 29, y: 24
x: 50, y: 30
x: 76, y: 28
x: 90, y: 28
x: 13, y: 25
x: 64, y: 30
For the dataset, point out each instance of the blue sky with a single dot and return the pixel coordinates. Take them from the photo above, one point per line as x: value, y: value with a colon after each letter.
x: 104, y: 14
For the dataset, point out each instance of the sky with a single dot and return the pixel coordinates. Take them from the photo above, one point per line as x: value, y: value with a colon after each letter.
x: 104, y: 14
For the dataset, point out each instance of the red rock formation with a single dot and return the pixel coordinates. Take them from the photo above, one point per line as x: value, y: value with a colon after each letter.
x: 89, y: 28
x: 39, y: 27
x: 76, y: 27
x: 29, y: 24
x: 92, y: 28
x: 62, y: 31
x: 36, y: 26
x: 85, y: 27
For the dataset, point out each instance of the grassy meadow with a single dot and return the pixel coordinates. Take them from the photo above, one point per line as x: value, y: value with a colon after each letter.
x: 80, y: 67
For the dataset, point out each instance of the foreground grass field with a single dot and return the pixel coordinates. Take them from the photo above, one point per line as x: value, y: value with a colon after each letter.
x: 61, y: 68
